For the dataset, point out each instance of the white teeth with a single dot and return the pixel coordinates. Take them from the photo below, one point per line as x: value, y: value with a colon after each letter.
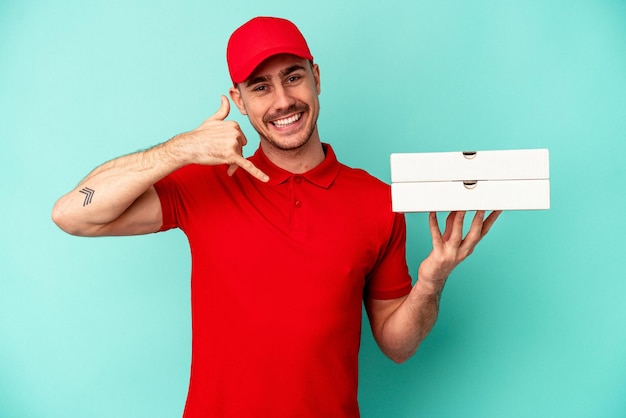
x: 287, y: 121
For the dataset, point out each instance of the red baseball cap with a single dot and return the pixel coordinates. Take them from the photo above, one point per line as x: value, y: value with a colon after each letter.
x: 260, y: 38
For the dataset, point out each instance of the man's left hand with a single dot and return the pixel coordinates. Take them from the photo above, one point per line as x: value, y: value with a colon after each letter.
x: 451, y: 248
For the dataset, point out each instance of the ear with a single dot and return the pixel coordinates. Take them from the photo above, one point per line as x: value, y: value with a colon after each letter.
x: 235, y: 95
x: 316, y: 76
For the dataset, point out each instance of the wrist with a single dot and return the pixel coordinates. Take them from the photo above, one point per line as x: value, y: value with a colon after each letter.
x: 174, y: 152
x: 429, y: 288
x: 431, y: 279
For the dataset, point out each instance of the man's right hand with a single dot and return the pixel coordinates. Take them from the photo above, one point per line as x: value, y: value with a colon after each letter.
x: 217, y: 141
x: 119, y: 198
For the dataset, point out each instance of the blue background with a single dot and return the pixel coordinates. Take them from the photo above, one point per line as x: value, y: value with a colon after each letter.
x: 533, y: 324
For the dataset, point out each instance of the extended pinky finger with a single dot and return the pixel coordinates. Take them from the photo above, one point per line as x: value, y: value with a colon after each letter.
x: 252, y: 169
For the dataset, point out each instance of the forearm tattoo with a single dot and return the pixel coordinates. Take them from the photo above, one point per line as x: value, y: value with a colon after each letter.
x: 88, y: 195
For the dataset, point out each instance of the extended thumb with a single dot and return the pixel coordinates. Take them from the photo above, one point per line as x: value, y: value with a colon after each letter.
x: 223, y: 111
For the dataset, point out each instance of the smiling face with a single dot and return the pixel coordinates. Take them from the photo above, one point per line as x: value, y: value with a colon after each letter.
x: 281, y: 100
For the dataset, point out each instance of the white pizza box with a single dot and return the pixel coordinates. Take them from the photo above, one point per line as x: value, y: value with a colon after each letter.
x: 476, y: 180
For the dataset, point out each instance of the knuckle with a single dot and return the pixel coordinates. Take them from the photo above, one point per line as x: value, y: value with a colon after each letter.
x: 232, y: 124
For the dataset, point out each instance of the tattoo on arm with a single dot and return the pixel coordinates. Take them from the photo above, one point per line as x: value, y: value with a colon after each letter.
x: 88, y: 195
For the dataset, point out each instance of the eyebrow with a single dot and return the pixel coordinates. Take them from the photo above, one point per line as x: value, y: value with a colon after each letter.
x: 265, y: 78
x: 291, y: 70
x: 255, y: 80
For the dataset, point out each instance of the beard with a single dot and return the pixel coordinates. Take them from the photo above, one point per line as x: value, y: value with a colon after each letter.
x: 298, y: 141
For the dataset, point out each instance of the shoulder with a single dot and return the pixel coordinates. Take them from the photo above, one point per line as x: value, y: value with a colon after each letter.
x: 194, y: 174
x: 369, y: 196
x: 193, y: 171
x: 360, y: 179
x: 190, y: 183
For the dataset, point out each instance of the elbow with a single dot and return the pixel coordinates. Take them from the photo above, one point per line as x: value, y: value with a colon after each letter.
x: 57, y: 217
x: 65, y: 221
x: 400, y: 357
x: 61, y: 220
x: 398, y: 348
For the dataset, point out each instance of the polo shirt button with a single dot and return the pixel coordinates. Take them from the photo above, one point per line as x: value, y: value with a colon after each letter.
x: 298, y: 204
x: 297, y: 179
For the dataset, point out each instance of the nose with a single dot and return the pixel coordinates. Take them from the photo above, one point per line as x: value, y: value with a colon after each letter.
x: 282, y: 99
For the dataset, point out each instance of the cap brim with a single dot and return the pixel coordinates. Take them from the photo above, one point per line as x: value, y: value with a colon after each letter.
x: 246, y: 70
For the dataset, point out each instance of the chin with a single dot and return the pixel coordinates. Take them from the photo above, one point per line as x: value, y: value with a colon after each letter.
x: 287, y: 143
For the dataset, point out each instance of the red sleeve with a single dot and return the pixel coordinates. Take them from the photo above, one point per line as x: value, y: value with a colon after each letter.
x: 167, y: 191
x: 390, y: 277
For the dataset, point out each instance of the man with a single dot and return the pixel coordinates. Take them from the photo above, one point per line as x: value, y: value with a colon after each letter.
x: 276, y: 326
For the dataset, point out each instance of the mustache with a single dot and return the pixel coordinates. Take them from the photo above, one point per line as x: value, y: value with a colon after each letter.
x: 294, y: 108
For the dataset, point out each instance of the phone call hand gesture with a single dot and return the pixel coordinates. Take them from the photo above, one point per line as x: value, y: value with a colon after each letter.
x: 218, y: 141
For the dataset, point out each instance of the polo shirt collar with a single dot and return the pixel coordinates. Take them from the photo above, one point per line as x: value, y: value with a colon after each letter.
x: 322, y: 175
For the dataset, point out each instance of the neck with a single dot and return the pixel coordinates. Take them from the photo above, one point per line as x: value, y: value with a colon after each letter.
x: 299, y: 160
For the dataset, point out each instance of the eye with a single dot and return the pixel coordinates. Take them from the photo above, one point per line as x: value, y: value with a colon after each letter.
x: 260, y: 88
x: 293, y: 78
